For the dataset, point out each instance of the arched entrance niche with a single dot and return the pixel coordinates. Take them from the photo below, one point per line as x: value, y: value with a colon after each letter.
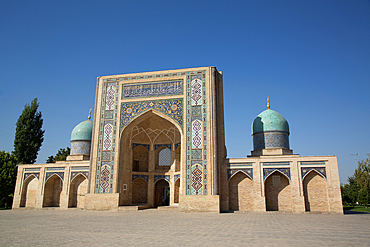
x: 277, y: 193
x: 77, y: 191
x: 177, y: 191
x: 315, y: 192
x: 52, y: 191
x: 147, y: 147
x: 139, y: 191
x: 161, y: 193
x: 29, y: 189
x: 241, y: 192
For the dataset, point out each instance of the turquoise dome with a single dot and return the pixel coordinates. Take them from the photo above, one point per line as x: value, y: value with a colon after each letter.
x: 83, y: 131
x: 269, y: 120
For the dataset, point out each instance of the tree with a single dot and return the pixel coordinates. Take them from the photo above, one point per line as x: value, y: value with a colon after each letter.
x: 8, y: 174
x: 362, y: 178
x: 61, y: 155
x: 29, y: 134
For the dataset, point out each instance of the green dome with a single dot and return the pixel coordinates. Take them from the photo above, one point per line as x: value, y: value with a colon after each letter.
x: 269, y: 120
x: 83, y: 131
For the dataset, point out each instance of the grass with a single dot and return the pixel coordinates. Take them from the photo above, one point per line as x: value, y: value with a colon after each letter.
x: 357, y: 208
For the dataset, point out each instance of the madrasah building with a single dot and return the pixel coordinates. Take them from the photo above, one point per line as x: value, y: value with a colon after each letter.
x: 158, y: 140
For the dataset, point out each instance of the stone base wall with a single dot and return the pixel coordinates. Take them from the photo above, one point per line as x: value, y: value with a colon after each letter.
x: 101, y: 202
x: 199, y: 203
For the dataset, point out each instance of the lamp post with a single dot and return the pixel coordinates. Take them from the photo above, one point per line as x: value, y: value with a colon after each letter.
x: 355, y: 155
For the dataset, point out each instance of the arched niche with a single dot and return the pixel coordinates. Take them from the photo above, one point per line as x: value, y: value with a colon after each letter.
x: 29, y: 188
x: 77, y: 191
x: 241, y: 192
x: 277, y: 192
x: 52, y: 191
x: 315, y: 192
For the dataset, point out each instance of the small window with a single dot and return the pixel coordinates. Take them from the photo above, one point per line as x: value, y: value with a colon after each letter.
x: 164, y: 157
x: 276, y: 181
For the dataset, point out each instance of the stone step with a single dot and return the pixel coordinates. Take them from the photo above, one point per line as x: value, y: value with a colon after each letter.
x: 168, y: 208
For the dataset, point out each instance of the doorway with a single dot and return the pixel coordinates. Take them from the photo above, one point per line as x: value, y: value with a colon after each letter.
x: 162, y: 193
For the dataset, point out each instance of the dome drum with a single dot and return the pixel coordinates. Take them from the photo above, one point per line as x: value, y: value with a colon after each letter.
x: 271, y: 139
x: 80, y: 147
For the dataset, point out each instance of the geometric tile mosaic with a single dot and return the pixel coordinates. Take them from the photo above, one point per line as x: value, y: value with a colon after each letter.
x: 36, y: 174
x: 196, y: 124
x: 170, y: 107
x: 268, y: 171
x: 59, y: 174
x: 196, y: 154
x: 165, y: 177
x: 272, y: 139
x: 246, y: 171
x: 162, y: 145
x: 177, y: 176
x: 134, y: 145
x: 135, y: 176
x: 306, y: 170
x: 83, y: 173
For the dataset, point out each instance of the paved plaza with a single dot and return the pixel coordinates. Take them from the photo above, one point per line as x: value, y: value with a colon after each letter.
x: 162, y: 228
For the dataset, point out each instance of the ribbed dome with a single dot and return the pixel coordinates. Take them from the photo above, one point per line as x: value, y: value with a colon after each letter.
x: 83, y: 131
x: 269, y: 120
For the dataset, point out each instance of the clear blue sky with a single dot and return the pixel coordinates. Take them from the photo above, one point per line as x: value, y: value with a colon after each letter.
x: 311, y: 57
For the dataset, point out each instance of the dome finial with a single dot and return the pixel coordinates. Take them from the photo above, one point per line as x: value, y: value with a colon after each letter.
x: 89, y: 117
x: 268, y: 102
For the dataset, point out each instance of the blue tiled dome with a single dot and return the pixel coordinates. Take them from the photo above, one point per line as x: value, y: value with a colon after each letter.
x: 269, y: 120
x: 83, y: 131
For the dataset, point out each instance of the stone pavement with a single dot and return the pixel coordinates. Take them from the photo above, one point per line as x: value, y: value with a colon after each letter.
x: 161, y: 228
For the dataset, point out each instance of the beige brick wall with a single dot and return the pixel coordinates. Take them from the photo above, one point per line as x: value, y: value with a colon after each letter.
x: 241, y: 193
x: 278, y: 198
x: 315, y: 193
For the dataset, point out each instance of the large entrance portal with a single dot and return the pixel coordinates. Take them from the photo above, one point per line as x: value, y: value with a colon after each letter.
x: 150, y: 157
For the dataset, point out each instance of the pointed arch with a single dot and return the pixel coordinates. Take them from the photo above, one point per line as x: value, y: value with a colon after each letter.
x: 277, y: 170
x: 315, y: 192
x: 52, y: 191
x: 277, y: 192
x: 241, y: 192
x: 77, y: 191
x: 29, y: 188
x: 177, y: 191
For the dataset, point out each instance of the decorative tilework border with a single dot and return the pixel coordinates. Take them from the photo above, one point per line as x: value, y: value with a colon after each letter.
x: 276, y: 163
x: 59, y: 174
x: 135, y: 176
x: 246, y: 171
x: 306, y: 170
x: 55, y: 168
x: 177, y: 177
x: 74, y: 174
x: 170, y: 107
x: 158, y: 177
x: 152, y: 89
x: 36, y: 174
x: 268, y: 171
x: 107, y: 137
x: 163, y: 145
x: 312, y: 163
x: 32, y: 169
x: 134, y: 145
x: 196, y: 110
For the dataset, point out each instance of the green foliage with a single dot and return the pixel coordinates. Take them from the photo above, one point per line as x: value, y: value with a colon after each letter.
x: 8, y: 175
x: 358, y: 187
x: 29, y: 134
x: 61, y: 155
